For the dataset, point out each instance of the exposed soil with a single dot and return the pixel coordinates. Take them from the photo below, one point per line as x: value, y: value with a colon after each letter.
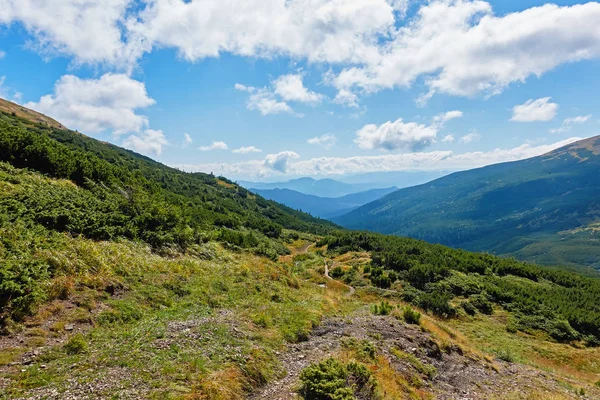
x: 458, y: 376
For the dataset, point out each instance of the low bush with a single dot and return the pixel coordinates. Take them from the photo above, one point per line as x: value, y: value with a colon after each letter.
x: 411, y: 316
x: 332, y: 380
x: 383, y: 308
x: 76, y: 345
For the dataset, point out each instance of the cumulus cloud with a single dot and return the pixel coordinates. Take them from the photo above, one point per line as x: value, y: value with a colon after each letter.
x: 317, y: 30
x: 326, y: 141
x: 187, y: 139
x: 89, y: 31
x: 246, y: 150
x: 2, y: 54
x: 459, y: 47
x: 462, y: 48
x: 264, y: 101
x: 291, y: 88
x: 470, y: 137
x: 95, y: 105
x: 448, y: 139
x: 422, y: 161
x: 568, y: 122
x: 280, y: 161
x: 535, y: 110
x: 346, y: 98
x: 214, y: 146
x: 447, y: 116
x: 147, y: 142
x: 396, y: 135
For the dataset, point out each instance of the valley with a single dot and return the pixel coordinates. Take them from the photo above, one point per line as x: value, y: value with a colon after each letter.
x: 124, y: 278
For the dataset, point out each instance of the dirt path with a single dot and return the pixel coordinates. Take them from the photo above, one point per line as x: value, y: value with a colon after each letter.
x: 351, y: 290
x: 458, y: 376
x: 305, y: 247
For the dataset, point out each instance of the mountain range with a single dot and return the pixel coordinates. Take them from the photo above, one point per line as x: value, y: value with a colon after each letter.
x: 544, y: 209
x: 345, y: 185
x: 324, y: 207
x: 144, y: 281
x: 310, y: 186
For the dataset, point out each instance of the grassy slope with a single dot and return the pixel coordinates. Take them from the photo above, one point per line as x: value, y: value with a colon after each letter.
x: 513, y: 208
x: 204, y: 320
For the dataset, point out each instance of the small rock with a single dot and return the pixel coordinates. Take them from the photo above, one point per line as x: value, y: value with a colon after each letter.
x: 43, y: 366
x: 69, y: 327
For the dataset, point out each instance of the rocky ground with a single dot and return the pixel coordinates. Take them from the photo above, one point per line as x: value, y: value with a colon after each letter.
x: 458, y: 376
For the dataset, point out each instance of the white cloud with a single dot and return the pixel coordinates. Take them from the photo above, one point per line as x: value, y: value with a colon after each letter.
x: 88, y: 30
x: 96, y: 105
x: 461, y: 48
x: 421, y: 161
x: 291, y: 88
x: 346, y: 98
x: 470, y: 137
x: 8, y: 93
x: 280, y: 161
x: 246, y: 150
x: 2, y: 54
x: 214, y: 146
x: 326, y: 141
x: 535, y: 110
x: 580, y: 119
x: 396, y: 135
x: 264, y: 101
x: 147, y: 142
x: 568, y: 122
x: 317, y: 30
x: 448, y: 139
x: 187, y: 139
x: 447, y: 116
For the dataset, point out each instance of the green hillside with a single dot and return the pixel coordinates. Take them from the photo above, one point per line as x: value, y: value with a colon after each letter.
x: 123, y: 278
x: 544, y: 209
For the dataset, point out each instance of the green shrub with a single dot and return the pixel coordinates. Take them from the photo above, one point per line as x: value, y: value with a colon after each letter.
x: 333, y: 380
x: 383, y: 308
x: 76, y: 345
x: 506, y: 355
x: 438, y: 303
x: 481, y: 303
x: 469, y: 307
x: 365, y: 349
x: 411, y: 316
x: 337, y: 272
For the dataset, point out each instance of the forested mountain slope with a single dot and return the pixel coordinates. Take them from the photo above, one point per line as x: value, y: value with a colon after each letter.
x: 123, y: 278
x: 136, y: 196
x: 544, y: 209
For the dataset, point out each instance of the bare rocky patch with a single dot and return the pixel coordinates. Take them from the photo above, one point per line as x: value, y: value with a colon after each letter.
x: 458, y: 375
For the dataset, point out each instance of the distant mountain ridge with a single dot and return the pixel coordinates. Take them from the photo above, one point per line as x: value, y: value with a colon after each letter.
x: 315, y: 187
x: 323, y: 207
x: 544, y: 209
x: 344, y: 185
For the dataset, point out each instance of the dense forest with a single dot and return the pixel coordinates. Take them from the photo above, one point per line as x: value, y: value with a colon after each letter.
x: 439, y: 279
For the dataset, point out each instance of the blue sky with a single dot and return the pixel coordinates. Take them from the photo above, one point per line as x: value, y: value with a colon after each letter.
x: 279, y: 89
